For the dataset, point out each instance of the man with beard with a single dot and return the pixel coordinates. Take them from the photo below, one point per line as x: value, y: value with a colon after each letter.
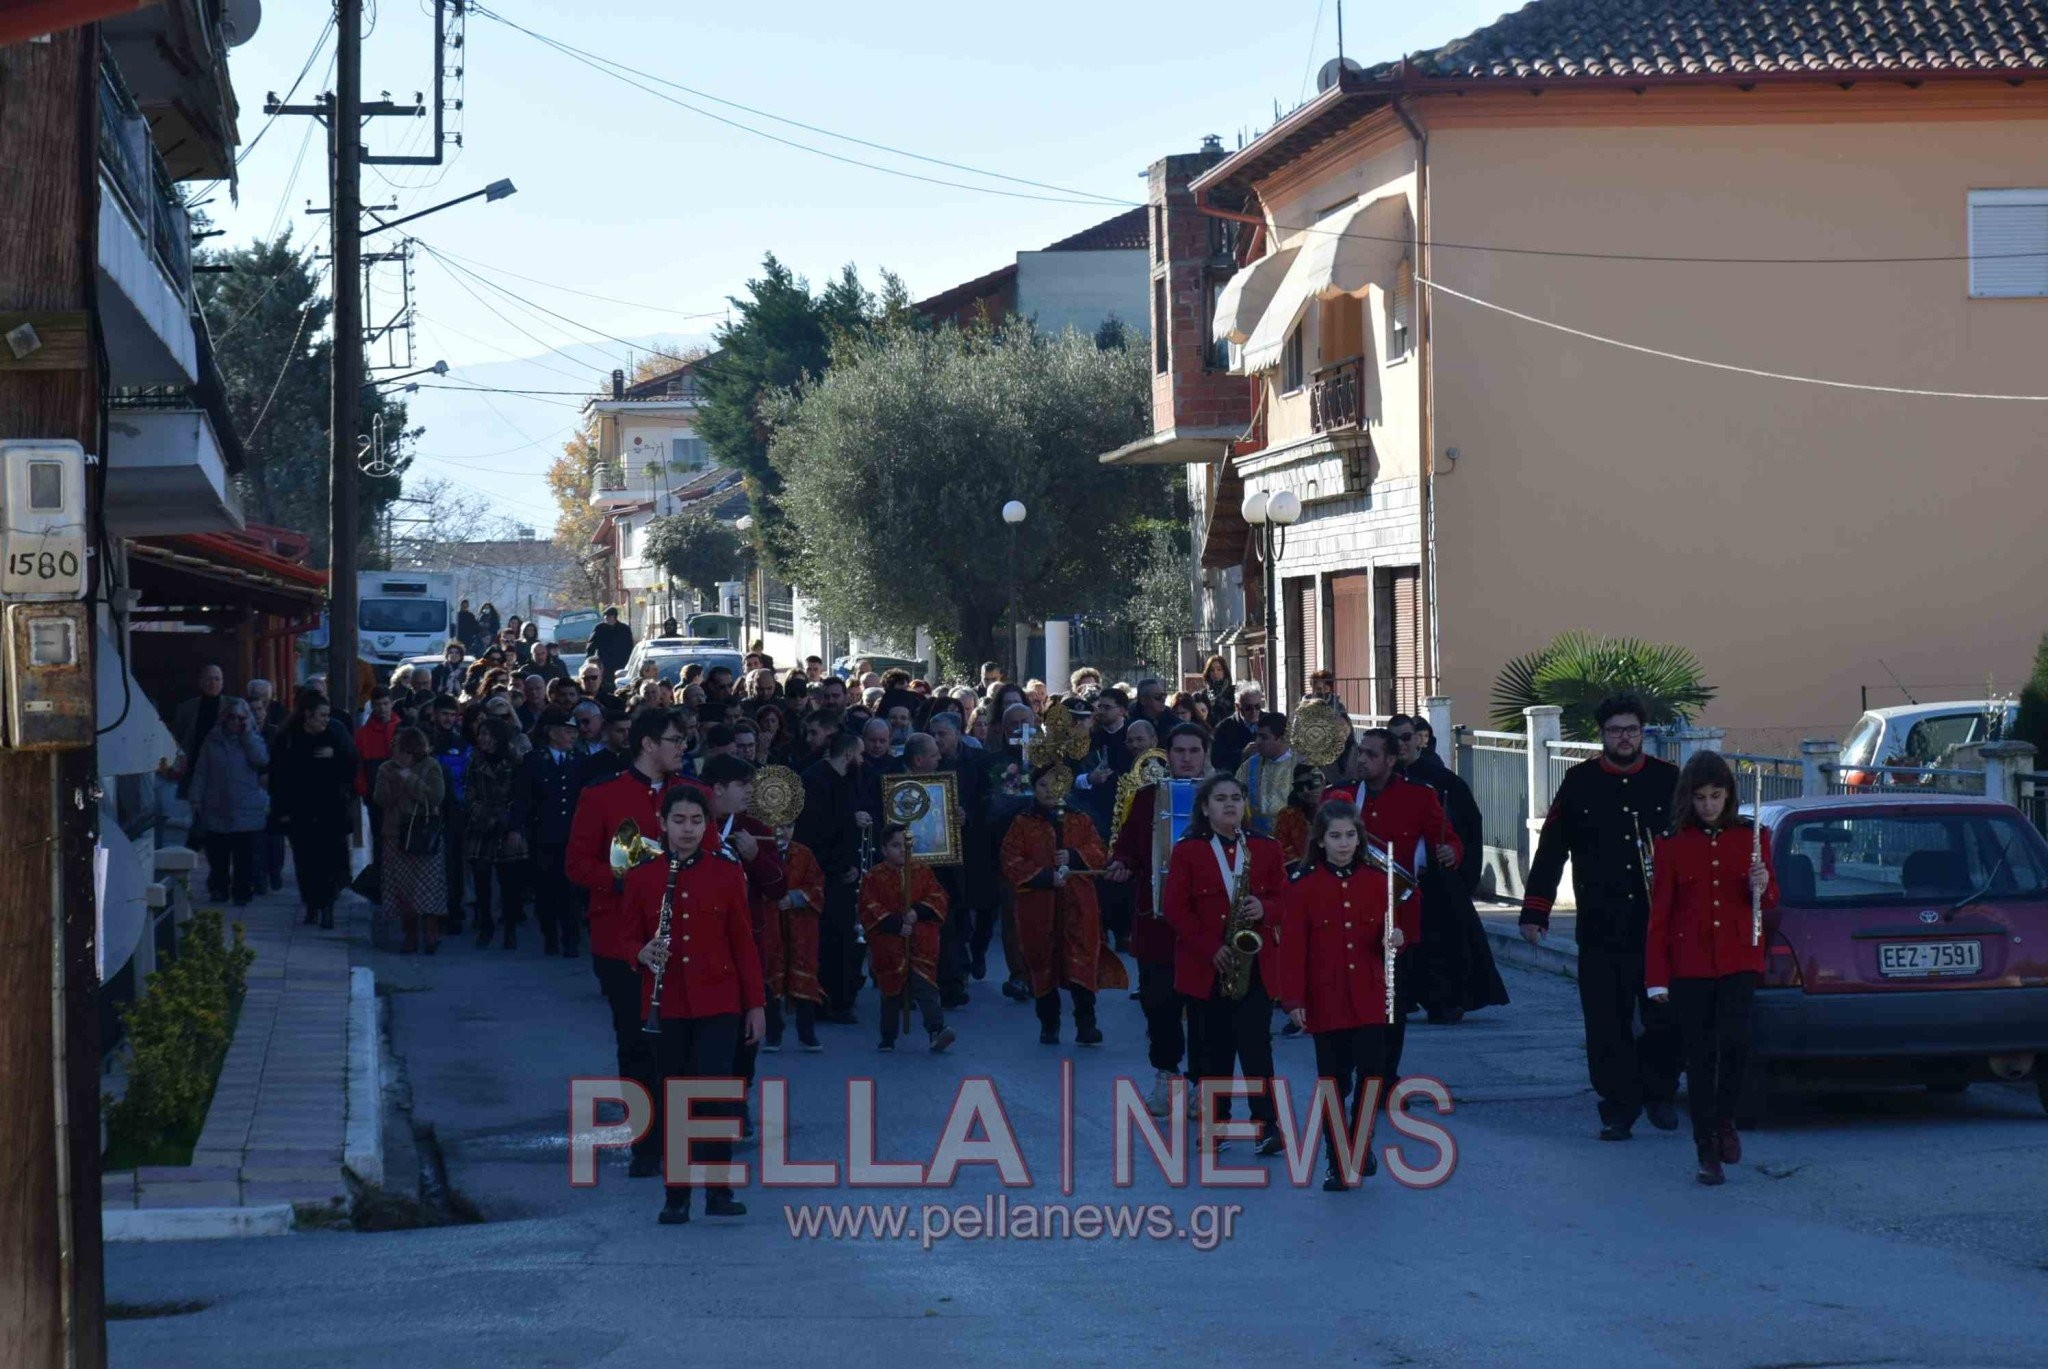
x: 831, y: 826
x: 1454, y: 969
x: 1607, y: 811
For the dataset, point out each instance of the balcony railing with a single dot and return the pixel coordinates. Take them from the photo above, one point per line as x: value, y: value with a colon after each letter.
x: 1336, y: 396
x: 144, y: 185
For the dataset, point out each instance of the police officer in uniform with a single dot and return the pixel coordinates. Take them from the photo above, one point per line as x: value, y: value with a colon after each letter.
x: 552, y: 786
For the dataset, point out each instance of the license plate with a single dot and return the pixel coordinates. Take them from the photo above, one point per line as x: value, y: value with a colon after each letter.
x: 1898, y: 959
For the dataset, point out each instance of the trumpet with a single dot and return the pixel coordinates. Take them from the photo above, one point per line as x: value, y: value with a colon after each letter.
x: 1379, y: 855
x: 630, y: 849
x: 652, y: 1026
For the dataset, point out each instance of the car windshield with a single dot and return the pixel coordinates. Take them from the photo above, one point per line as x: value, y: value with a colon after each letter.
x: 1841, y: 859
x: 403, y: 615
x: 671, y: 663
x: 1860, y: 746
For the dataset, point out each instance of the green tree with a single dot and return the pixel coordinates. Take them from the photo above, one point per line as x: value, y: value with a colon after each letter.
x: 783, y: 335
x: 1579, y: 669
x: 269, y: 323
x: 2032, y: 723
x: 696, y: 550
x: 898, y: 461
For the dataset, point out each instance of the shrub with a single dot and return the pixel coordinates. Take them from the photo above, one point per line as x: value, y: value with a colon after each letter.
x: 1579, y: 669
x: 2032, y: 723
x: 178, y: 1033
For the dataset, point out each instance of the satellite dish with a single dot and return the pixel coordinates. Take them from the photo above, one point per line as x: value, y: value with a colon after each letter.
x: 239, y: 18
x: 1328, y: 76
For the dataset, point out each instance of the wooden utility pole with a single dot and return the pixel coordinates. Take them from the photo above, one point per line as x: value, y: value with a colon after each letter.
x: 346, y: 219
x: 51, y: 1294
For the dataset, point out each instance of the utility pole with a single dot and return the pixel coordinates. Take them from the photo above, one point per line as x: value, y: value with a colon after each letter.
x: 51, y: 1289
x: 344, y: 136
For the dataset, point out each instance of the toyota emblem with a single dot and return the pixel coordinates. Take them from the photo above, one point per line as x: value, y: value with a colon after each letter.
x: 1929, y: 915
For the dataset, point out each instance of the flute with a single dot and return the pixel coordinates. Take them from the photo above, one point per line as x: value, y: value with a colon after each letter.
x: 1756, y: 855
x: 1387, y: 934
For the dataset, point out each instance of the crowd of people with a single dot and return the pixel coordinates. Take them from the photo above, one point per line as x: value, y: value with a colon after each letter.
x: 628, y: 822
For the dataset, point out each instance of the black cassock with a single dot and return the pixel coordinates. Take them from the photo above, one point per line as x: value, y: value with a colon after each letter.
x: 1454, y: 967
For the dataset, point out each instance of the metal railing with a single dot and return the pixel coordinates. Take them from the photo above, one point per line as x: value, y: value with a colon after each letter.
x: 1495, y: 765
x: 1891, y: 779
x: 144, y: 186
x: 2033, y: 797
x: 1783, y: 777
x: 1336, y: 396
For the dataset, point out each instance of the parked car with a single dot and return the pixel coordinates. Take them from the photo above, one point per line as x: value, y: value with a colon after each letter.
x: 719, y: 626
x: 843, y: 667
x: 572, y: 630
x: 1919, y: 734
x: 671, y: 654
x: 1910, y: 942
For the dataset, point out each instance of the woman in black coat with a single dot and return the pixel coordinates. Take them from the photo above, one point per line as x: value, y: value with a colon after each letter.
x: 312, y: 801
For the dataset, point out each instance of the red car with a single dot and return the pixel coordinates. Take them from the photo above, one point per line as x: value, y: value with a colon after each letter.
x: 1910, y: 941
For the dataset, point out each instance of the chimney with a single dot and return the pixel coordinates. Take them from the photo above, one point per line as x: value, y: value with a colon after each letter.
x: 618, y: 384
x: 1211, y: 143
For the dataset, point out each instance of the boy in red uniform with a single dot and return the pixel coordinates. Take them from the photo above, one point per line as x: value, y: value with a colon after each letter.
x: 1701, y: 954
x: 789, y: 944
x: 903, y: 938
x: 701, y: 981
x: 1333, y: 967
x: 1059, y: 921
x: 737, y: 833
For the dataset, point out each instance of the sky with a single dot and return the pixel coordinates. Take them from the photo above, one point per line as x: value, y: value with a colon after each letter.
x: 666, y: 213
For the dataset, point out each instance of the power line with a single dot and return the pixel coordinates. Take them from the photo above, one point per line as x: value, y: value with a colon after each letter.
x: 436, y: 327
x: 533, y: 395
x: 311, y: 57
x: 291, y: 355
x: 502, y: 317
x: 1722, y: 365
x: 514, y: 295
x: 572, y: 290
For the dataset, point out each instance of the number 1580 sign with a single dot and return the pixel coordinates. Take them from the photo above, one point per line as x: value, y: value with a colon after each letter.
x: 51, y: 567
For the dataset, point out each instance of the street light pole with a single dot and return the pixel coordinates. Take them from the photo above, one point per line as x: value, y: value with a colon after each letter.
x: 344, y: 427
x: 1270, y: 517
x: 1013, y: 514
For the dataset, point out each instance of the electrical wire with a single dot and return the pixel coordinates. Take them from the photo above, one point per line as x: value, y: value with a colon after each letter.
x: 508, y: 322
x: 1309, y: 65
x: 1723, y: 365
x: 311, y: 57
x: 570, y: 289
x: 510, y: 294
x: 486, y: 342
x: 529, y: 395
x: 291, y: 355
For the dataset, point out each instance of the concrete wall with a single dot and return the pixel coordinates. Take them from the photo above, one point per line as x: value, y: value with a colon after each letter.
x: 1800, y: 539
x: 1058, y: 290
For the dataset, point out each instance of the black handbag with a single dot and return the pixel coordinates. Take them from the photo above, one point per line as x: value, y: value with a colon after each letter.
x: 421, y: 835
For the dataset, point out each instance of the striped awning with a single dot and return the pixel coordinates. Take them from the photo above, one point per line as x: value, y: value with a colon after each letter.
x: 1342, y: 254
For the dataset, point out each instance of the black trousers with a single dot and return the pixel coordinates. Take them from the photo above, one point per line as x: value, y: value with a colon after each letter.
x: 1714, y: 1023
x: 231, y: 859
x: 924, y: 996
x: 320, y: 861
x: 1048, y: 1006
x: 838, y: 947
x: 1349, y: 1058
x: 985, y: 922
x: 953, y: 936
x: 557, y: 903
x: 376, y: 828
x: 1165, y: 1041
x: 802, y: 1009
x: 1116, y: 913
x: 620, y: 980
x: 1237, y: 1037
x: 695, y: 1048
x: 1627, y: 1070
x: 511, y: 880
x: 1404, y: 1003
x: 454, y: 866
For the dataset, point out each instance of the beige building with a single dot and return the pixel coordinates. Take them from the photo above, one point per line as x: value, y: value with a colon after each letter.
x: 1843, y: 205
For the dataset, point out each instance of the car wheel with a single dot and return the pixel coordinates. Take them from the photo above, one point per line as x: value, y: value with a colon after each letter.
x: 1752, y: 1102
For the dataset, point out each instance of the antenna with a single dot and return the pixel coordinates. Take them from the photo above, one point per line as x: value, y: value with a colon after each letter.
x: 1340, y: 30
x: 1900, y: 683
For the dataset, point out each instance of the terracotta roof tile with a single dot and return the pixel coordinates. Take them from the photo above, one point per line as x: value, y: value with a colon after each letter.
x: 1574, y: 39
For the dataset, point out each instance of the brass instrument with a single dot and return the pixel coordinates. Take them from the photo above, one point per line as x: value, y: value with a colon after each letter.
x: 652, y: 1026
x: 630, y: 849
x: 1269, y: 795
x: 1149, y: 768
x: 1240, y: 934
x: 1380, y: 856
x: 1647, y: 850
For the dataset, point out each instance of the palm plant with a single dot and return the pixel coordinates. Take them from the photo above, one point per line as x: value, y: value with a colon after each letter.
x: 1579, y: 669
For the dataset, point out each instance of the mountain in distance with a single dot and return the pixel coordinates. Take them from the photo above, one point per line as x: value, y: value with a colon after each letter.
x: 501, y: 445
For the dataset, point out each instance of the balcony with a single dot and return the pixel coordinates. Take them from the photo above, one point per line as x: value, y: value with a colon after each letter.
x: 1336, y: 397
x: 145, y: 251
x: 165, y: 470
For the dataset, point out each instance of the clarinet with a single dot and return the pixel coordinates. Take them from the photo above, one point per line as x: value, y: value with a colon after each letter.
x: 652, y: 1026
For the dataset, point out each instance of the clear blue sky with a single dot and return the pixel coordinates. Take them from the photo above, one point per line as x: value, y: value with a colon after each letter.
x: 623, y: 195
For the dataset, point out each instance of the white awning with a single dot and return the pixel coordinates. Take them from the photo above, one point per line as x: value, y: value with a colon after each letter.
x: 1246, y: 295
x: 1341, y: 255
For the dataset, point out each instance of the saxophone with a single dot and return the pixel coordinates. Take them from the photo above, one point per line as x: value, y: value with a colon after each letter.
x: 1240, y: 937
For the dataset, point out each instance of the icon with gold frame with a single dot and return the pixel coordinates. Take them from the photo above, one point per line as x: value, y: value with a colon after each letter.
x: 929, y: 805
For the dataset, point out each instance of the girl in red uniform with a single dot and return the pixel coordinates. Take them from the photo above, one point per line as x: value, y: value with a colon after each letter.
x: 903, y: 938
x: 1333, y: 967
x: 1701, y: 953
x: 711, y: 996
x: 789, y: 950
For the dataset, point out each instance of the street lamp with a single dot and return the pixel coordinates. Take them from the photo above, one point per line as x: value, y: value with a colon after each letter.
x: 439, y: 368
x: 743, y: 525
x: 1013, y: 514
x: 496, y: 190
x: 1271, y: 515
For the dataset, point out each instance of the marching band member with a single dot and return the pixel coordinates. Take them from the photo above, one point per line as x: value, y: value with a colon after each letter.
x: 656, y: 744
x: 1207, y: 864
x: 1703, y: 953
x: 1152, y: 939
x: 1606, y: 811
x: 707, y: 971
x: 751, y: 842
x: 903, y: 938
x: 1333, y: 965
x: 1059, y: 921
x: 789, y: 948
x: 1406, y: 819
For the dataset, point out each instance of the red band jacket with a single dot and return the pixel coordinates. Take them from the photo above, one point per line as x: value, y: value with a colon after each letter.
x: 1198, y: 909
x: 1700, y: 921
x: 713, y: 966
x: 1333, y: 946
x: 599, y: 811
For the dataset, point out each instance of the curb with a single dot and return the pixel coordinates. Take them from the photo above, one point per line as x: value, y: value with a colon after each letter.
x: 362, y: 1147
x: 1554, y: 956
x: 195, y: 1223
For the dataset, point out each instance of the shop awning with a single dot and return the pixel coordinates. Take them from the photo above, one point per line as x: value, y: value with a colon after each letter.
x: 1246, y: 295
x: 1341, y: 255
x: 201, y: 569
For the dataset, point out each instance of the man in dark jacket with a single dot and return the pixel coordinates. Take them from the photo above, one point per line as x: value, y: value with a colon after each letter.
x: 552, y: 787
x: 1607, y: 811
x: 611, y: 642
x: 1236, y: 733
x: 196, y: 717
x: 1454, y: 969
x: 831, y: 826
x: 448, y: 746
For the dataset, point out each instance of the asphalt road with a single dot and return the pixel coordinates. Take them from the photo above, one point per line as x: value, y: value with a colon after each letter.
x: 1895, y: 1227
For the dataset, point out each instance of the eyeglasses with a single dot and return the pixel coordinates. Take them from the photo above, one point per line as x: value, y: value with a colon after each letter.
x: 1635, y: 731
x: 672, y: 739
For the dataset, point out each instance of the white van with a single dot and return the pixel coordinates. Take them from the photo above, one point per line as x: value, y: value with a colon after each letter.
x: 403, y: 613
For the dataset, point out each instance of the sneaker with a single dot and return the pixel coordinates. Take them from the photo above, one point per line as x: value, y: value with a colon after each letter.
x: 1088, y: 1034
x: 941, y: 1039
x: 772, y: 1046
x: 1710, y: 1172
x: 956, y: 999
x: 1016, y: 989
x: 1730, y: 1144
x: 1614, y: 1131
x: 720, y: 1203
x: 888, y: 1043
x: 1160, y: 1103
x: 1290, y: 1028
x: 1333, y: 1182
x: 1048, y: 1036
x: 676, y: 1211
x: 810, y: 1043
x: 644, y: 1167
x: 1271, y: 1144
x: 1663, y: 1116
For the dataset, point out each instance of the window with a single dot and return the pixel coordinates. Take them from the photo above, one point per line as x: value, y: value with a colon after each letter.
x: 688, y: 454
x: 625, y: 540
x: 1161, y: 324
x: 1290, y: 362
x: 2008, y: 244
x: 1860, y: 860
x: 1401, y: 312
x: 1215, y: 351
x: 1158, y: 233
x: 778, y: 607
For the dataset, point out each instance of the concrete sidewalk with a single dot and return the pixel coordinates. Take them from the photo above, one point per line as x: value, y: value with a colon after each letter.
x: 277, y: 1129
x: 1558, y: 953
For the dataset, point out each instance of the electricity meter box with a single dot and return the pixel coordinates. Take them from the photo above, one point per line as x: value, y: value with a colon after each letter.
x: 49, y: 677
x: 42, y: 522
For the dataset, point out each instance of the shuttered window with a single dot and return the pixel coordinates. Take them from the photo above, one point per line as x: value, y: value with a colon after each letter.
x: 1304, y: 633
x: 1398, y: 640
x: 1401, y: 312
x: 2008, y: 244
